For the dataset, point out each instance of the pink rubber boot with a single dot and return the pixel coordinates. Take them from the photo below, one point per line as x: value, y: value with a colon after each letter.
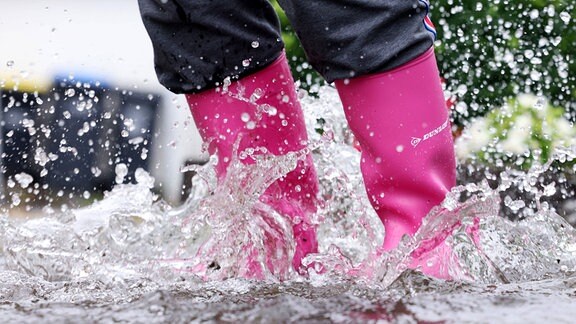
x: 263, y: 109
x: 401, y: 121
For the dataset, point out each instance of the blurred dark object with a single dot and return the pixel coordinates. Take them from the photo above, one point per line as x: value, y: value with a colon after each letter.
x: 19, y: 111
x: 68, y: 141
x: 136, y: 117
x: 75, y: 141
x: 97, y: 130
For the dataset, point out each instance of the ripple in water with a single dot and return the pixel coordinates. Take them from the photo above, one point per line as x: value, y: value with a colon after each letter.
x: 133, y: 258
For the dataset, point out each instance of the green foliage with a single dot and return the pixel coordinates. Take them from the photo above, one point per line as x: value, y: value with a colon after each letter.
x: 525, y: 129
x: 301, y: 70
x: 491, y: 50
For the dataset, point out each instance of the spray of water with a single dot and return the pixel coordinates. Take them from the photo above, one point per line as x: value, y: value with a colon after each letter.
x: 222, y: 232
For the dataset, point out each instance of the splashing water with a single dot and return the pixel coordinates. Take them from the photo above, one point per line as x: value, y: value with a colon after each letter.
x: 132, y: 257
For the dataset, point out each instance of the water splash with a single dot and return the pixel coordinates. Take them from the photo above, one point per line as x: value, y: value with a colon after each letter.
x: 231, y: 233
x: 133, y: 248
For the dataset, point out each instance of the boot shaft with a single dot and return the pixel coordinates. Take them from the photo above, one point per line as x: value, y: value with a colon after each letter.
x: 402, y: 124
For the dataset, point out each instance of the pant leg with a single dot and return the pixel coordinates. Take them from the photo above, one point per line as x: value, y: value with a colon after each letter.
x: 347, y: 38
x: 198, y: 43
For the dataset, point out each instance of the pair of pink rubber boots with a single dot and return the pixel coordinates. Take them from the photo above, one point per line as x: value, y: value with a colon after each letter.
x: 399, y: 118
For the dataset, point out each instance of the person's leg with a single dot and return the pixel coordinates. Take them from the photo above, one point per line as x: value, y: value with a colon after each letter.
x: 350, y: 38
x: 198, y: 44
x: 379, y: 53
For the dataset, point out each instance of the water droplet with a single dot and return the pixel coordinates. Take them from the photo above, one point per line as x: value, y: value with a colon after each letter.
x: 144, y: 178
x: 529, y: 54
x: 96, y: 171
x: 565, y: 17
x: 70, y: 92
x: 255, y: 44
x: 549, y: 190
x: 28, y: 123
x: 144, y: 154
x: 15, y: 199
x: 10, y: 63
x: 129, y: 123
x: 121, y: 172
x: 245, y: 117
x: 40, y: 157
x: 226, y: 84
x: 81, y: 106
x: 136, y: 140
x: 514, y: 205
x: 462, y: 90
x: 23, y: 179
x: 270, y: 110
x: 400, y: 148
x: 246, y: 62
x: 256, y: 95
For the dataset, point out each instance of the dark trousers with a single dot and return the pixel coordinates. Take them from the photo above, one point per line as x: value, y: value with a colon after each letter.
x: 199, y: 43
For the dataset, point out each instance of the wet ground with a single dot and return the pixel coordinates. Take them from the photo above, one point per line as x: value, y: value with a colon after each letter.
x: 412, y: 298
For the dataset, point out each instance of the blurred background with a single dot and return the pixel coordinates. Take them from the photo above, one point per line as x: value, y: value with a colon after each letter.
x: 81, y: 103
x: 79, y: 98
